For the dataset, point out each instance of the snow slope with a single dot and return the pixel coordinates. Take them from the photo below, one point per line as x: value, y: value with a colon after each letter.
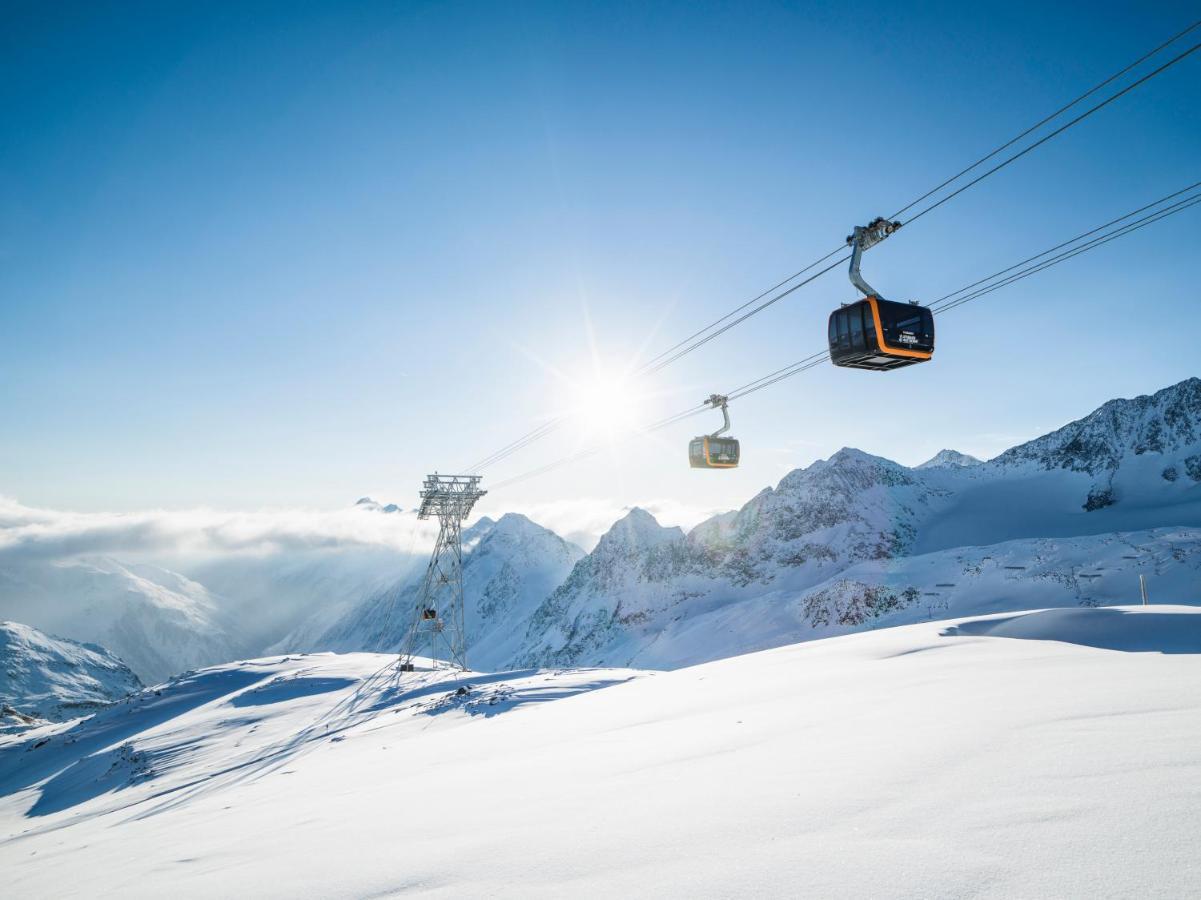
x: 1050, y: 753
x: 55, y: 679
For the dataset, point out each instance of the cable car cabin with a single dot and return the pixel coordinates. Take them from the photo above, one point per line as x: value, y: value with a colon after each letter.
x: 709, y: 452
x: 881, y: 335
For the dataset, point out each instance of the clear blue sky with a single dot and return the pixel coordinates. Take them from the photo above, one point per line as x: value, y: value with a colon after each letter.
x: 289, y: 254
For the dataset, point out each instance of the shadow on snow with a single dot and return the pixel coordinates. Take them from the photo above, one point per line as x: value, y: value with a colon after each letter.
x: 98, y: 755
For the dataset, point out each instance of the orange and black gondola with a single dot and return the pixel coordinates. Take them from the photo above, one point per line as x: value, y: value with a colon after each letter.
x: 881, y: 335
x: 874, y: 333
x: 708, y: 452
x: 712, y: 451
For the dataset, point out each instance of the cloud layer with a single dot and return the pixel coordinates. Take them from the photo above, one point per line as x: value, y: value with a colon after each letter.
x: 29, y: 533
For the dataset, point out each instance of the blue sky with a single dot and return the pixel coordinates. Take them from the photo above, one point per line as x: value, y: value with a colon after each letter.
x: 291, y: 254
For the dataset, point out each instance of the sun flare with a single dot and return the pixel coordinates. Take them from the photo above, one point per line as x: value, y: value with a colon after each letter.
x: 603, y: 404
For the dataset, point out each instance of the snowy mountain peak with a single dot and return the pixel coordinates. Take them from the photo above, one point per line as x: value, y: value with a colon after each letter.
x: 637, y: 529
x: 375, y: 506
x: 850, y: 458
x: 1167, y: 422
x: 513, y: 529
x: 478, y: 530
x: 847, y: 470
x: 949, y: 459
x: 516, y: 523
x: 56, y: 679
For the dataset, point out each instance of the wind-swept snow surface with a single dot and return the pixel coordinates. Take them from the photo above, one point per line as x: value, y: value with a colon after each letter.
x: 1052, y: 753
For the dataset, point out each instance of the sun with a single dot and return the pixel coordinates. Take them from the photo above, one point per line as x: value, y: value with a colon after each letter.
x: 604, y: 403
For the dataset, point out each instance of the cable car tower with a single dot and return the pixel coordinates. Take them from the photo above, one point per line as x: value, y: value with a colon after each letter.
x: 438, y: 614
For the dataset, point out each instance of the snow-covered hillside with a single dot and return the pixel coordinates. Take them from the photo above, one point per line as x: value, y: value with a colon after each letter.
x: 650, y: 596
x: 619, y: 620
x: 510, y: 566
x: 157, y: 621
x: 1043, y: 754
x: 55, y: 679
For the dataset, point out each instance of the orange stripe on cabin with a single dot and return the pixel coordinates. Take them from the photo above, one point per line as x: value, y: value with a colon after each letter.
x: 884, y: 345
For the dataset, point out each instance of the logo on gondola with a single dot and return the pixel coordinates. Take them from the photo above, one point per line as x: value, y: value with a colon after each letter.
x: 907, y: 337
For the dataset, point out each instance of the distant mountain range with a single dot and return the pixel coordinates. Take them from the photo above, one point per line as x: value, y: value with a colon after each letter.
x: 850, y: 542
x: 51, y: 679
x: 157, y: 621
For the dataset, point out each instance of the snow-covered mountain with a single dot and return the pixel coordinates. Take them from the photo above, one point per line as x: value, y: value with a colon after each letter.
x: 1166, y: 425
x: 643, y: 583
x: 1028, y: 754
x: 1129, y: 465
x: 53, y: 679
x: 654, y: 596
x: 826, y: 548
x: 157, y: 621
x: 370, y: 505
x: 953, y: 458
x: 509, y: 567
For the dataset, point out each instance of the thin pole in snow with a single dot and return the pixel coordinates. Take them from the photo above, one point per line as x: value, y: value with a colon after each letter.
x: 1142, y: 586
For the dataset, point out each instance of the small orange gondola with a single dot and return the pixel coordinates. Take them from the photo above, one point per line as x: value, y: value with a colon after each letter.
x: 712, y: 451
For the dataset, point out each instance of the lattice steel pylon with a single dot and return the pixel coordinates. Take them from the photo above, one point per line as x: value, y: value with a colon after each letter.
x: 438, y: 613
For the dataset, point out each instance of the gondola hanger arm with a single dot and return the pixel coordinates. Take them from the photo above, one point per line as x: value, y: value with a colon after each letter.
x: 864, y: 237
x: 720, y: 401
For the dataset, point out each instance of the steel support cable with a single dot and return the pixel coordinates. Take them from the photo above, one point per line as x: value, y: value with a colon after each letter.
x: 1073, y: 240
x: 1060, y: 130
x: 597, y: 448
x: 676, y: 353
x: 1067, y: 254
x: 1039, y: 124
x: 746, y: 388
x: 817, y: 262
x: 525, y: 440
x: 537, y: 434
x: 758, y: 309
x: 649, y: 365
x: 996, y: 280
x: 785, y: 373
x: 817, y: 359
x: 1076, y: 251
